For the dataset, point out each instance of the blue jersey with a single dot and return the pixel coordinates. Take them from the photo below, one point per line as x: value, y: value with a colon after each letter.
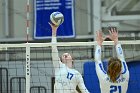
x: 106, y: 86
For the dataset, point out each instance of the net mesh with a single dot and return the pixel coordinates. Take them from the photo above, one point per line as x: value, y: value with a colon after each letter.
x: 13, y: 64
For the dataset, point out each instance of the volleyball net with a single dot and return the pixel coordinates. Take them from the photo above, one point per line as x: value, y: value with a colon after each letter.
x: 27, y: 68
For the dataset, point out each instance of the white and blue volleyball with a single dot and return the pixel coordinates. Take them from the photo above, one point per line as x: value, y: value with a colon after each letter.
x: 56, y: 18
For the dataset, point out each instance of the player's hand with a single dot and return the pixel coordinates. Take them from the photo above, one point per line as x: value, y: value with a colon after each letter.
x: 99, y: 38
x: 54, y: 28
x: 113, y: 35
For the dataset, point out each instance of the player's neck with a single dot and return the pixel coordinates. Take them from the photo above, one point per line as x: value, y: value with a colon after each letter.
x: 69, y: 65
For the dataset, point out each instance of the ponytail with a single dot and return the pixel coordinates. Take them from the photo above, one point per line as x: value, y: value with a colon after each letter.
x: 114, y: 68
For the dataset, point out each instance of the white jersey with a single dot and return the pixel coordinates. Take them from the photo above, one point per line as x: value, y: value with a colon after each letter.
x: 106, y: 85
x: 66, y: 79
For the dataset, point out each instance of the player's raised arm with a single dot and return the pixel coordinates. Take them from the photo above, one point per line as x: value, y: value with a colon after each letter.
x: 99, y: 40
x: 99, y: 66
x: 114, y: 37
x: 55, y: 55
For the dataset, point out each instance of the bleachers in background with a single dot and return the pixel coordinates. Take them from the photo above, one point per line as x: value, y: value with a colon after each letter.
x: 92, y: 83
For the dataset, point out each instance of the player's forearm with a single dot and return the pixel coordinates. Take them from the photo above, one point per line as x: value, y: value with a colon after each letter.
x: 119, y: 51
x: 98, y: 53
x: 116, y: 41
x: 81, y: 84
x: 121, y: 57
x: 54, y: 52
x: 83, y: 89
x: 55, y: 56
x: 54, y: 40
x: 54, y: 47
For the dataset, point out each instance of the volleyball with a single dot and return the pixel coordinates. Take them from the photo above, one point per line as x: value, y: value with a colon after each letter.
x: 56, y: 18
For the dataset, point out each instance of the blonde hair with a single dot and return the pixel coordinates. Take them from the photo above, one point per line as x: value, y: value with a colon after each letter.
x: 114, y: 68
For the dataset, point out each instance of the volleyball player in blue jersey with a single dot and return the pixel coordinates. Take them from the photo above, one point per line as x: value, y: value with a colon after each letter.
x: 66, y: 78
x: 116, y: 78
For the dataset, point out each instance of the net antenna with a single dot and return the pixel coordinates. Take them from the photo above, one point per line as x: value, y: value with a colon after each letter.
x: 27, y: 19
x: 27, y: 48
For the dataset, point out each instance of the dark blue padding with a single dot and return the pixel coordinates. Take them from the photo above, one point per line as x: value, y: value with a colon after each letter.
x: 134, y: 81
x: 92, y: 82
x: 90, y: 78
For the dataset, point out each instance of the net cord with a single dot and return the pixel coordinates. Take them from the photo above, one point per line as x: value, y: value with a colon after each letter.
x: 68, y: 44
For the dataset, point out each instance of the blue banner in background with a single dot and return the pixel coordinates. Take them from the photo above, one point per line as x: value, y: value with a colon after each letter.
x: 43, y: 10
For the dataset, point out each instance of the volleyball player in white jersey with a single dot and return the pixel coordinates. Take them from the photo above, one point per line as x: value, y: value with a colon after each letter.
x: 116, y: 79
x: 66, y: 78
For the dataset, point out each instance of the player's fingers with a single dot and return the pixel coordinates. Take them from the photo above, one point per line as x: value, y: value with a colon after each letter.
x: 110, y: 32
x: 117, y: 31
x: 49, y: 23
x: 114, y: 30
x: 100, y: 33
x: 97, y: 34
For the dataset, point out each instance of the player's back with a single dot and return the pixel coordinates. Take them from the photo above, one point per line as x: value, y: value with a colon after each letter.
x: 120, y: 86
x: 66, y: 80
